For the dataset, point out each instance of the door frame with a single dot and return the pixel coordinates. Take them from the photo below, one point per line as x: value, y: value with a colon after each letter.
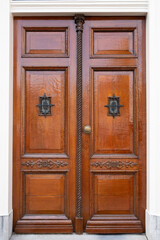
x: 105, y: 9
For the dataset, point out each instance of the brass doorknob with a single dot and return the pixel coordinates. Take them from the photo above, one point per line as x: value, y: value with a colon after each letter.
x: 87, y: 129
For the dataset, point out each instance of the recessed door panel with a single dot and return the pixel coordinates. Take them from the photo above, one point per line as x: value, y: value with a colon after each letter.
x: 113, y: 134
x: 46, y: 134
x: 45, y: 194
x: 114, y: 193
x: 114, y: 42
x: 45, y: 42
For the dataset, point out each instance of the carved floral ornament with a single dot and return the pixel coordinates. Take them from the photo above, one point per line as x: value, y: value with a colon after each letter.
x: 45, y: 163
x: 114, y: 164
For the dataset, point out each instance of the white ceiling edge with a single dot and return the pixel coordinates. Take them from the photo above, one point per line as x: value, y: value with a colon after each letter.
x: 88, y: 7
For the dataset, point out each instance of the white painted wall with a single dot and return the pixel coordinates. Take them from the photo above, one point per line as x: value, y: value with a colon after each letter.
x: 70, y: 7
x: 153, y: 99
x: 90, y: 7
x: 5, y: 110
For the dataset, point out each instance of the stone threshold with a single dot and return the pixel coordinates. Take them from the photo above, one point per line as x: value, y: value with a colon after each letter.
x: 78, y: 237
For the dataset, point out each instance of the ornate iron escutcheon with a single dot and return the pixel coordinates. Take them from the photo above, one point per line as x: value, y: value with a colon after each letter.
x: 45, y: 105
x: 113, y: 106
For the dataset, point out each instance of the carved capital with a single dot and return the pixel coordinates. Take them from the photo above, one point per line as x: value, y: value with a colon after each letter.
x: 79, y: 21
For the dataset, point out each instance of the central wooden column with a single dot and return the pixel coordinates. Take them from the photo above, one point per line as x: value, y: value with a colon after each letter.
x: 79, y: 21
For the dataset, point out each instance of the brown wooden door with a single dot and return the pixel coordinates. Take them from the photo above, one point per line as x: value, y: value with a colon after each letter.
x: 45, y: 179
x: 44, y: 137
x: 114, y: 152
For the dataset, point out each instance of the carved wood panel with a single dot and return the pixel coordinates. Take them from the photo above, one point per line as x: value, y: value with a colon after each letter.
x: 53, y: 129
x: 114, y: 107
x: 44, y: 125
x: 45, y: 42
x: 116, y: 135
x: 113, y: 42
x: 45, y: 194
x: 114, y: 193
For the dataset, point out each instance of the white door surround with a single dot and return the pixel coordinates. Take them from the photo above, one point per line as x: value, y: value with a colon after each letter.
x: 151, y: 10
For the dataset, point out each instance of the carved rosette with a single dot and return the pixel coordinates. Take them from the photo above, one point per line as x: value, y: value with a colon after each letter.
x: 114, y: 164
x: 45, y: 163
x: 79, y: 21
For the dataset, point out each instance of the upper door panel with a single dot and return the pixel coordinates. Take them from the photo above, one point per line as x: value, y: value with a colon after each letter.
x: 45, y: 42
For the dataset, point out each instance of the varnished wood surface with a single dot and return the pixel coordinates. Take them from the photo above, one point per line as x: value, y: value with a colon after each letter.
x: 44, y: 152
x: 114, y: 153
x: 44, y: 147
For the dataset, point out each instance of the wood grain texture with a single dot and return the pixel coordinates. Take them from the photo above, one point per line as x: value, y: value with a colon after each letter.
x: 45, y: 42
x: 114, y: 194
x: 44, y: 147
x: 113, y: 135
x: 45, y: 193
x: 44, y: 153
x: 114, y: 157
x: 113, y: 42
x: 53, y: 83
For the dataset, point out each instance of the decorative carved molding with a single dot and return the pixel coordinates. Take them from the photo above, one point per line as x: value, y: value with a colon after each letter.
x: 114, y: 164
x: 45, y: 163
x: 79, y: 21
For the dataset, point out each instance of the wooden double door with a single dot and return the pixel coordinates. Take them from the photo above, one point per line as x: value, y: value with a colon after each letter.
x: 79, y: 125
